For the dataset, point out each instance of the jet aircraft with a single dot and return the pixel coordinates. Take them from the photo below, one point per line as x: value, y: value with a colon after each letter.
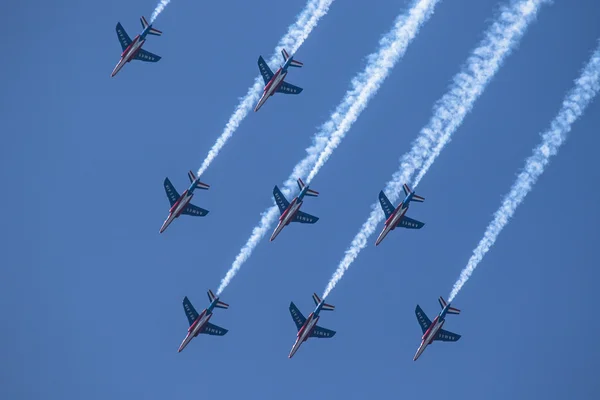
x: 199, y: 322
x: 307, y: 327
x: 181, y: 204
x: 132, y: 49
x: 290, y: 212
x: 274, y: 81
x: 397, y: 217
x: 433, y: 330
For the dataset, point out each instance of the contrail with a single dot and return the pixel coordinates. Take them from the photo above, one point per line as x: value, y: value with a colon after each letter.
x: 573, y: 106
x: 392, y: 47
x: 448, y: 113
x: 159, y: 8
x: 296, y: 35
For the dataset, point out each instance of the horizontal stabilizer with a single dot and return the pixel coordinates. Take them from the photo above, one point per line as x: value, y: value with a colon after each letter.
x: 416, y: 198
x: 309, y: 192
x: 152, y: 31
x: 451, y: 310
x: 326, y: 306
x: 293, y: 63
x: 199, y: 185
x: 220, y: 304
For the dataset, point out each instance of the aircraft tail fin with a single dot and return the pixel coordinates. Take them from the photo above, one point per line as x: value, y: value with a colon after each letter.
x: 451, y: 310
x: 293, y: 63
x: 309, y: 192
x: 220, y: 304
x: 152, y: 31
x: 317, y: 300
x: 407, y: 191
x: 199, y: 185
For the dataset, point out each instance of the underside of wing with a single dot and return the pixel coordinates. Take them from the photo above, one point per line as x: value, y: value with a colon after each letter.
x: 280, y: 200
x: 288, y: 88
x: 424, y: 322
x: 211, y: 329
x: 320, y: 332
x: 124, y: 38
x: 446, y: 336
x: 410, y: 223
x: 144, y: 55
x: 305, y: 218
x: 386, y: 205
x: 195, y: 211
x: 297, y: 316
x: 172, y: 194
x: 190, y: 311
x: 265, y: 71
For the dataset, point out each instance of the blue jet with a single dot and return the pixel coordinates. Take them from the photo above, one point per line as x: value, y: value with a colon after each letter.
x: 274, y: 81
x: 397, y: 217
x: 290, y: 212
x: 181, y: 204
x: 307, y: 327
x: 132, y: 49
x: 199, y: 322
x: 433, y: 330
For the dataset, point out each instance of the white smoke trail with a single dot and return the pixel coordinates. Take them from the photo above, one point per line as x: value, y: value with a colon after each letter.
x: 448, y: 113
x: 573, y: 106
x: 392, y: 46
x: 294, y: 38
x: 159, y: 8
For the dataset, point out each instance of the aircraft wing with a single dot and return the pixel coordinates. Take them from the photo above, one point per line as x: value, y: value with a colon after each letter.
x: 190, y: 311
x: 211, y: 329
x: 124, y: 38
x: 422, y: 318
x: 265, y: 71
x: 297, y: 316
x: 171, y: 191
x: 446, y: 336
x: 144, y: 55
x: 305, y: 218
x: 289, y: 88
x: 191, y: 209
x: 319, y: 332
x: 280, y: 199
x: 410, y: 223
x: 386, y: 206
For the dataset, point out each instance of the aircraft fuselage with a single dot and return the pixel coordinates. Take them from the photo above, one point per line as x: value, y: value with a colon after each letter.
x: 271, y: 87
x: 177, y: 208
x: 304, y: 333
x: 129, y: 53
x: 287, y: 216
x: 392, y: 221
x: 429, y: 335
x: 195, y: 328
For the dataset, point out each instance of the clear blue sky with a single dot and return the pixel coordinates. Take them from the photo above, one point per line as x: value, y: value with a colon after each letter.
x: 91, y: 292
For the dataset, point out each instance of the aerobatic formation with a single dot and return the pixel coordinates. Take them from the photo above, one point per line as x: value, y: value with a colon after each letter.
x: 449, y: 112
